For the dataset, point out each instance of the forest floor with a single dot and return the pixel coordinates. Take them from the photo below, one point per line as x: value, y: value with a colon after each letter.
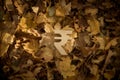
x: 59, y: 40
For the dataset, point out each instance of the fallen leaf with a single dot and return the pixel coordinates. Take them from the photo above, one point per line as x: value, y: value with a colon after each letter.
x: 22, y: 23
x: 57, y: 26
x: 92, y: 11
x: 48, y: 28
x: 37, y: 70
x: 46, y: 53
x: 31, y: 47
x: 41, y: 18
x: 113, y: 42
x: 107, y: 61
x: 109, y: 74
x: 35, y: 9
x: 29, y: 62
x: 62, y: 9
x: 69, y: 45
x: 94, y: 69
x: 28, y: 75
x: 65, y: 67
x: 59, y: 11
x: 94, y: 26
x: 7, y: 36
x: 77, y: 28
x: 101, y: 42
x: 99, y: 59
x: 6, y: 41
x: 20, y: 7
x: 9, y: 5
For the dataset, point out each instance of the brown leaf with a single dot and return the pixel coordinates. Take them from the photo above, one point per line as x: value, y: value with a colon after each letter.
x: 113, y: 42
x: 80, y: 43
x: 31, y: 46
x: 62, y: 9
x: 92, y: 11
x: 101, y: 41
x: 107, y: 61
x: 109, y: 74
x: 65, y: 67
x: 9, y: 5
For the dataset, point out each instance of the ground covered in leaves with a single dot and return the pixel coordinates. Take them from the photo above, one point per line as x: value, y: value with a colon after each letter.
x: 27, y: 50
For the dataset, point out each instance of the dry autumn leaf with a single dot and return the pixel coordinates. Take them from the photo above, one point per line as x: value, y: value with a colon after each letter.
x: 65, y: 67
x: 20, y: 6
x: 94, y: 25
x: 92, y: 11
x: 35, y: 9
x: 109, y: 74
x: 9, y: 5
x: 48, y: 28
x: 30, y: 51
x: 62, y: 9
x: 113, y: 42
x: 101, y: 42
x: 46, y: 53
x: 31, y: 46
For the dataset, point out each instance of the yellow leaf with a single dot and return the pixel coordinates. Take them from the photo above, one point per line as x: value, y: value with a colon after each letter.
x: 48, y: 28
x: 101, y: 42
x: 23, y: 22
x: 94, y: 26
x: 7, y: 39
x: 35, y: 9
x: 60, y: 11
x: 57, y: 26
x: 41, y: 18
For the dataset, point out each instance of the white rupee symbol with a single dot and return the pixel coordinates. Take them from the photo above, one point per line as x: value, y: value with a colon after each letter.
x: 63, y: 39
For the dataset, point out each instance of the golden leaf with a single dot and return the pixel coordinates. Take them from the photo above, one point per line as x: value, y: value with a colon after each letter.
x: 62, y: 9
x: 27, y: 22
x: 101, y: 42
x: 35, y: 9
x: 94, y: 26
x: 20, y: 7
x: 48, y: 28
x: 41, y: 18
x: 6, y: 41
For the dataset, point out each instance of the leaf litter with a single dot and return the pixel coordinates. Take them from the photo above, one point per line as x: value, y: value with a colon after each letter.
x: 27, y: 50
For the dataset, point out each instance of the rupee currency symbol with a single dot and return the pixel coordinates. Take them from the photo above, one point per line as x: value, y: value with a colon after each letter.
x: 64, y: 37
